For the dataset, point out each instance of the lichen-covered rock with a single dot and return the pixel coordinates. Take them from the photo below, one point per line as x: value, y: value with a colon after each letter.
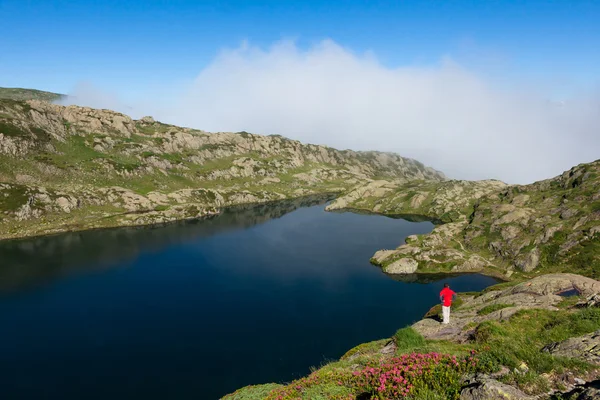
x: 588, y: 393
x: 381, y: 256
x: 530, y: 261
x: 586, y: 348
x: 592, y: 300
x: 556, y: 283
x: 491, y: 389
x: 473, y: 264
x: 402, y: 266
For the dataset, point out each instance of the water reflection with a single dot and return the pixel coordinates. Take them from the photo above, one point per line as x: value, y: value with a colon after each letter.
x: 196, y: 310
x: 33, y: 261
x: 423, y: 278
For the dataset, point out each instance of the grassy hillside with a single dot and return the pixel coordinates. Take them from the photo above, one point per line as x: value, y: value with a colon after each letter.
x: 65, y: 168
x: 548, y: 226
x: 28, y: 94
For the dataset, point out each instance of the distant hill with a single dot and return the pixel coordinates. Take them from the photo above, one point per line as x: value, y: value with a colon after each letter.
x: 72, y: 168
x: 28, y: 94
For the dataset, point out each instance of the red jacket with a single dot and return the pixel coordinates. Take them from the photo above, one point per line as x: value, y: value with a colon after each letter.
x: 446, y: 296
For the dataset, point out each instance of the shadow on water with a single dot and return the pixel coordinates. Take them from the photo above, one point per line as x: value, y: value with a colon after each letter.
x: 424, y: 278
x: 406, y: 217
x: 34, y: 261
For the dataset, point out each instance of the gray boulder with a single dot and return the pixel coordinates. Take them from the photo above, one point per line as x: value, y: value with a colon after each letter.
x: 586, y: 348
x: 402, y: 266
x: 557, y: 283
x: 491, y: 389
x: 530, y: 261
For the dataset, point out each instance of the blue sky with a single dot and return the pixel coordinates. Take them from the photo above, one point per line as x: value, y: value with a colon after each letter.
x: 467, y: 87
x: 125, y: 46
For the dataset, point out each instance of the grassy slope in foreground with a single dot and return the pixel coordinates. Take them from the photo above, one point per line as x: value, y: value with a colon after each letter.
x: 73, y: 168
x: 513, y: 350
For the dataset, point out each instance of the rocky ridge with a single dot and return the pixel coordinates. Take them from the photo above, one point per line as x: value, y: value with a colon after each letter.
x: 65, y: 168
x: 490, y: 227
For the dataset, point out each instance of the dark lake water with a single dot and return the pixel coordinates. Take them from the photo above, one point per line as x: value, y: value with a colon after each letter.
x: 196, y: 310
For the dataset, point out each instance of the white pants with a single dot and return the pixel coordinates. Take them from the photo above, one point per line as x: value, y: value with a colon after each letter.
x: 446, y: 314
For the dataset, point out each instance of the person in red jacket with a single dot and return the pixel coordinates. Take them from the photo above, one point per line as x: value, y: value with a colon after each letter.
x: 446, y: 297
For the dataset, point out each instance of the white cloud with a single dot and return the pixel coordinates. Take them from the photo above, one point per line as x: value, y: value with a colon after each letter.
x: 88, y: 95
x: 445, y: 115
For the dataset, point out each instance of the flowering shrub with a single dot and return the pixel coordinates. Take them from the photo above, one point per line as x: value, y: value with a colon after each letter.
x: 337, y: 384
x: 390, y: 378
x: 402, y: 376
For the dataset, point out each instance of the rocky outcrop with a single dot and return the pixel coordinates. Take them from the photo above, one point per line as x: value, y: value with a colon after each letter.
x: 539, y: 293
x: 402, y: 266
x: 554, y: 284
x: 589, y: 391
x: 585, y: 348
x: 494, y: 227
x: 114, y: 170
x: 491, y: 389
x: 592, y: 300
x: 106, y: 130
x: 437, y: 200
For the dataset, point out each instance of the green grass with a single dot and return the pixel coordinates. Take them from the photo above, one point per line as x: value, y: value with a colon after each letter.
x: 13, y: 198
x: 521, y: 338
x: 365, y: 348
x: 28, y: 94
x: 254, y: 392
x: 11, y: 130
x: 501, y: 286
x: 493, y: 307
x: 327, y: 391
x: 173, y: 158
x: 428, y: 394
x: 408, y: 339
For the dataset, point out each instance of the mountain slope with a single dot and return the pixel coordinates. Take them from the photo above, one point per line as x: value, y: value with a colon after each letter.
x: 549, y: 226
x: 73, y: 167
x: 28, y: 94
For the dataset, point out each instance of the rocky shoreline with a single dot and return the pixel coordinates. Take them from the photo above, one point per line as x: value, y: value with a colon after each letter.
x: 535, y: 336
x: 512, y: 322
x: 152, y: 218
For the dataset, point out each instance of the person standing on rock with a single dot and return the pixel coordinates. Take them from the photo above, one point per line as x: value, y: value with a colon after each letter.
x: 446, y: 297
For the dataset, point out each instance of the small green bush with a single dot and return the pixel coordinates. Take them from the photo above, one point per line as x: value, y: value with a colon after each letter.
x: 408, y: 339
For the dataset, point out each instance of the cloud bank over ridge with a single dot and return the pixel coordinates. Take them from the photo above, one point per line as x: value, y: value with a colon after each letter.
x: 445, y: 115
